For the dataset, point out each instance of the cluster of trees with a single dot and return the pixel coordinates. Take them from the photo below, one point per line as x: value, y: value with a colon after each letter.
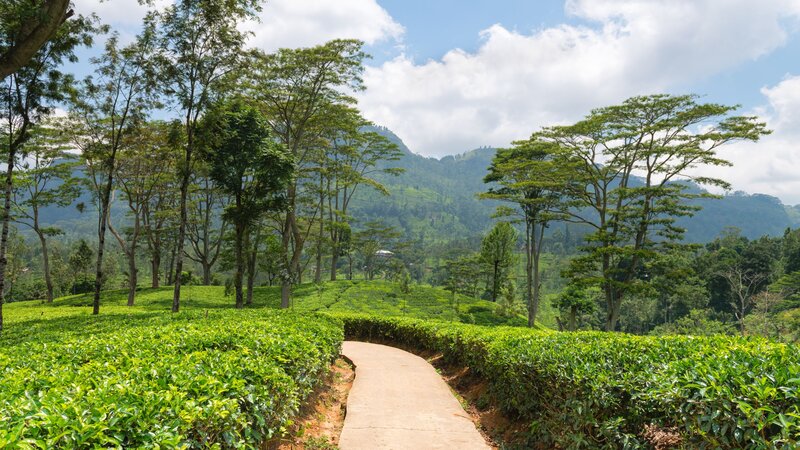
x: 730, y: 285
x: 623, y: 173
x: 260, y: 160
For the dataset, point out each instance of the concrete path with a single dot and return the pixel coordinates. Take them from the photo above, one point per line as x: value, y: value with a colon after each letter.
x: 398, y: 401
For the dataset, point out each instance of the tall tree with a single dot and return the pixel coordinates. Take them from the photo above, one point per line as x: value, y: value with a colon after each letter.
x: 206, y: 228
x: 373, y: 239
x: 631, y: 163
x: 26, y: 97
x: 140, y: 173
x: 497, y: 255
x: 529, y: 175
x: 248, y: 165
x: 158, y: 215
x: 105, y: 114
x: 80, y: 263
x: 200, y: 45
x: 297, y: 88
x: 356, y: 154
x: 45, y: 179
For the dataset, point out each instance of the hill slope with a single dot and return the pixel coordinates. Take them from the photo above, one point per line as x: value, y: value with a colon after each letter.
x: 435, y: 199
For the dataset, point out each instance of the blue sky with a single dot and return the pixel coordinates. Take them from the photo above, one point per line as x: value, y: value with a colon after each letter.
x: 448, y: 76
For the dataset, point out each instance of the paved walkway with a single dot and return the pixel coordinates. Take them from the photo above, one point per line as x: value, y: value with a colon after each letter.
x: 398, y: 401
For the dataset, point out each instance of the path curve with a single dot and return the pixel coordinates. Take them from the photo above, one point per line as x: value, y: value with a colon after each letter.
x: 398, y: 401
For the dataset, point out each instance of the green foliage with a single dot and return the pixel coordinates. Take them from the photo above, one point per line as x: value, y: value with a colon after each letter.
x: 497, y: 255
x: 599, y: 390
x: 697, y: 323
x: 633, y: 219
x: 247, y: 164
x: 226, y: 379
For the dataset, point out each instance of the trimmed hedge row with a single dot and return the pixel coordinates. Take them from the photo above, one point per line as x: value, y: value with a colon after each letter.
x: 600, y: 390
x: 230, y: 380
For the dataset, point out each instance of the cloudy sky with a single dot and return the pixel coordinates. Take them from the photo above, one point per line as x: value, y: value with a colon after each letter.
x: 448, y: 76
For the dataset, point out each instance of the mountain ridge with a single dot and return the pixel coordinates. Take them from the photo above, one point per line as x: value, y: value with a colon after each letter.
x: 443, y: 191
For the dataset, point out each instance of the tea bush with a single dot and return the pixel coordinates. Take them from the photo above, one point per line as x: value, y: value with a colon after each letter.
x: 221, y: 380
x: 599, y: 390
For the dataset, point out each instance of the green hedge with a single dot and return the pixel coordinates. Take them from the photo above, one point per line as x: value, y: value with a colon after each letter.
x: 231, y: 380
x: 599, y: 390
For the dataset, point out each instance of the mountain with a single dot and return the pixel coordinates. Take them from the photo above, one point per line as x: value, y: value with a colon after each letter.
x: 436, y: 199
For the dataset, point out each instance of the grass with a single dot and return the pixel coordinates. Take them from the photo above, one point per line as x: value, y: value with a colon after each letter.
x: 377, y: 297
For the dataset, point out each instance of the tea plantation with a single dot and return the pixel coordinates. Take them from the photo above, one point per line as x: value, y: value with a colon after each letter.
x: 215, y: 377
x: 600, y: 390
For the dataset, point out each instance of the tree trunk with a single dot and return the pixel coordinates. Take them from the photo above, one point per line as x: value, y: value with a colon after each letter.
x: 318, y: 265
x: 318, y: 268
x: 4, y: 235
x: 286, y: 293
x: 251, y: 275
x: 101, y: 242
x: 573, y: 318
x: 495, y: 281
x: 252, y: 257
x: 133, y: 278
x: 187, y: 168
x: 48, y: 280
x: 536, y: 284
x: 334, y: 263
x: 612, y: 315
x: 237, y: 275
x: 206, y: 272
x: 169, y: 273
x: 529, y: 273
x: 155, y: 262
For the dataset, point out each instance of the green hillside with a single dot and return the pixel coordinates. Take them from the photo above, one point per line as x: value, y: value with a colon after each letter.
x: 435, y: 199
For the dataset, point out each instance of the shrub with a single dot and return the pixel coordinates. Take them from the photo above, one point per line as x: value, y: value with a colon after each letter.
x: 601, y: 390
x: 229, y: 380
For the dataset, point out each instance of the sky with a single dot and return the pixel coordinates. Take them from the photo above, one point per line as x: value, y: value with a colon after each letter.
x: 448, y: 76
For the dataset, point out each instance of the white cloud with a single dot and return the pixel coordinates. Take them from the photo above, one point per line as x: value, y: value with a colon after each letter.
x: 283, y: 23
x: 293, y: 23
x: 769, y: 166
x: 516, y: 82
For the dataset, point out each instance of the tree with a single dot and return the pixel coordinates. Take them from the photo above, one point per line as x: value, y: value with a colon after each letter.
x: 675, y: 284
x: 205, y: 229
x: 297, y: 88
x: 497, y: 253
x: 80, y: 262
x: 199, y: 46
x: 574, y: 300
x: 354, y: 157
x: 529, y: 175
x: 158, y: 215
x: 249, y: 166
x: 631, y: 167
x: 45, y: 179
x: 744, y: 286
x: 463, y: 276
x: 106, y: 112
x: 27, y: 94
x: 31, y: 25
x: 140, y: 173
x: 374, y: 237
